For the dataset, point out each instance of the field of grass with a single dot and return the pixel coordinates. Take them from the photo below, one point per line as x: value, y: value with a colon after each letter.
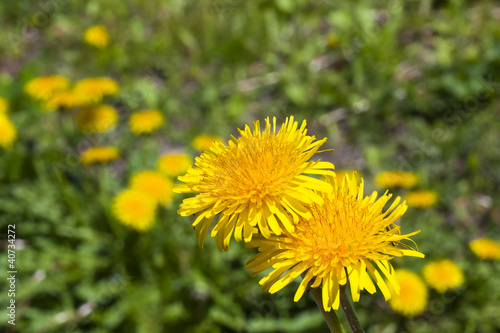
x: 394, y: 85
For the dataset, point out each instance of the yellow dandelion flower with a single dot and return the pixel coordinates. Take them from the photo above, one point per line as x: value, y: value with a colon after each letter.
x: 93, y: 89
x: 340, y: 174
x: 8, y: 132
x: 392, y: 179
x: 155, y: 184
x: 413, y: 295
x: 443, y: 275
x: 146, y: 121
x: 485, y: 248
x: 345, y: 239
x: 204, y: 142
x: 257, y: 180
x: 97, y: 36
x: 98, y: 118
x: 135, y: 209
x: 95, y: 155
x: 4, y: 105
x: 421, y: 198
x: 174, y: 164
x: 44, y: 87
x: 63, y: 100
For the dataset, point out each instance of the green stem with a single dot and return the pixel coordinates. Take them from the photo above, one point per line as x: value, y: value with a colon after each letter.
x: 330, y: 317
x: 349, y: 311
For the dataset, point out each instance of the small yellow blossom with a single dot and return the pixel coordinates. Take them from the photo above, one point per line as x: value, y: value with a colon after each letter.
x: 95, y: 155
x: 63, y: 100
x: 485, y: 248
x: 98, y: 118
x: 135, y: 209
x: 393, y: 179
x: 413, y: 296
x: 43, y: 87
x: 174, y: 164
x: 97, y: 36
x: 421, y: 198
x: 146, y: 121
x: 204, y: 142
x: 155, y: 184
x: 443, y: 275
x: 8, y: 132
x: 93, y: 89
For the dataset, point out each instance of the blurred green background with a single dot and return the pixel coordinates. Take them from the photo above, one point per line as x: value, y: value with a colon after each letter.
x: 394, y: 85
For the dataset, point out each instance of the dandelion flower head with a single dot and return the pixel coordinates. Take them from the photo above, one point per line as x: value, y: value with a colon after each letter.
x: 421, y: 198
x: 443, y: 275
x: 155, y: 184
x: 485, y: 248
x: 413, y: 296
x: 63, y: 99
x: 146, y: 121
x: 174, y: 164
x: 204, y: 142
x: 258, y: 180
x: 93, y: 89
x: 394, y: 179
x: 8, y: 132
x: 346, y: 238
x: 97, y: 36
x: 43, y: 87
x: 99, y: 118
x: 135, y: 209
x: 96, y: 155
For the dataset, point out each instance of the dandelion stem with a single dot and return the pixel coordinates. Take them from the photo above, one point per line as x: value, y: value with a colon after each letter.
x: 330, y: 317
x: 349, y: 311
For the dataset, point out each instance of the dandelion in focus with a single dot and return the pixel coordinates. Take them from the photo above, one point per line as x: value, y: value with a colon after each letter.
x: 413, y: 296
x: 8, y: 132
x: 155, y: 184
x: 135, y: 209
x: 348, y: 239
x: 443, y: 275
x: 485, y: 248
x: 43, y: 87
x: 146, y: 121
x: 63, y: 100
x: 421, y: 198
x: 96, y: 155
x: 4, y: 105
x: 93, y: 89
x: 394, y: 179
x: 174, y: 164
x: 258, y: 180
x: 97, y: 36
x: 204, y: 142
x: 98, y: 118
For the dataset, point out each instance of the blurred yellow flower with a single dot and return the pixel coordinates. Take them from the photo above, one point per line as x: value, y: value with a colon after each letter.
x: 413, y: 296
x: 8, y: 132
x: 421, y: 198
x: 146, y: 121
x: 95, y: 155
x: 443, y: 275
x: 98, y: 118
x: 155, y: 184
x: 44, y: 87
x: 348, y: 239
x: 63, y: 100
x: 135, y: 209
x: 93, y: 89
x: 4, y: 105
x: 393, y: 179
x: 485, y: 248
x: 174, y: 164
x: 259, y: 180
x: 97, y: 36
x: 204, y: 142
